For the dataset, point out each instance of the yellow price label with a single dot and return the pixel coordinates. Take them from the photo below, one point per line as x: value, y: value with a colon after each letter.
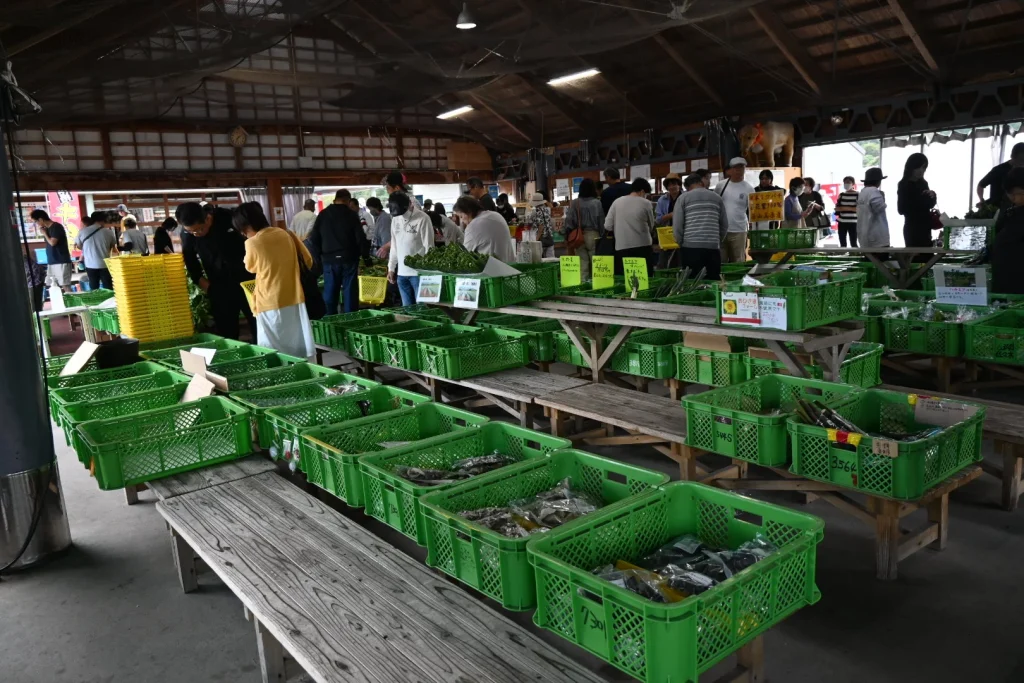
x: 603, y: 275
x: 570, y: 271
x: 635, y: 267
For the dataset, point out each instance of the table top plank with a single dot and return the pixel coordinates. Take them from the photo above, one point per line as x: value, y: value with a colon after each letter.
x: 197, y: 480
x: 419, y: 589
x: 625, y: 408
x: 522, y: 384
x: 1002, y: 420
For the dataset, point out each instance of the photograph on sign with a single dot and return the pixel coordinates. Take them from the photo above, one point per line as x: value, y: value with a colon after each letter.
x: 741, y: 308
x: 958, y: 285
x: 467, y: 292
x: 429, y: 290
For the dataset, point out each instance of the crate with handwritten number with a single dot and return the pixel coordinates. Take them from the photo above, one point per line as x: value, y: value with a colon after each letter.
x: 929, y: 439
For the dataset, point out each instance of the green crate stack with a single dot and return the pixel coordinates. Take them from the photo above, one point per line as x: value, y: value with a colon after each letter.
x: 473, y: 353
x: 663, y: 643
x: 101, y: 391
x: 702, y: 297
x: 224, y: 348
x: 967, y: 237
x: 332, y: 330
x: 82, y: 379
x: 259, y: 401
x: 996, y: 338
x: 784, y: 238
x: 363, y: 342
x: 138, y: 448
x: 247, y: 367
x: 647, y: 353
x: 918, y: 465
x: 284, y: 374
x: 586, y: 289
x: 399, y: 349
x: 494, y: 564
x: 288, y: 423
x: 748, y: 420
x: 874, y: 324
x: 538, y: 333
x: 395, y: 500
x: 195, y: 340
x: 712, y: 368
x: 89, y: 298
x: 808, y: 303
x: 105, y: 320
x: 863, y: 365
x: 566, y: 351
x: 54, y: 365
x: 74, y: 414
x: 419, y: 311
x: 922, y: 336
x: 535, y: 281
x: 330, y: 455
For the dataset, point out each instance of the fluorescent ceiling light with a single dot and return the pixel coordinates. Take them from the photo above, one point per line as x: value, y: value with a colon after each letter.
x: 455, y: 112
x: 561, y: 80
x: 465, y: 20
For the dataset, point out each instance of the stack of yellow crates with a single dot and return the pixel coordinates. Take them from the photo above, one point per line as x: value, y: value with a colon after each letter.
x: 152, y: 296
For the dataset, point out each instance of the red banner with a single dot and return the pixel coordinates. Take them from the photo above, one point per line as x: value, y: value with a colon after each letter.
x: 64, y: 209
x: 832, y: 192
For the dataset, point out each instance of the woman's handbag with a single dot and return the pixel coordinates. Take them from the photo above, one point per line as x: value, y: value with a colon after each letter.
x: 315, y: 307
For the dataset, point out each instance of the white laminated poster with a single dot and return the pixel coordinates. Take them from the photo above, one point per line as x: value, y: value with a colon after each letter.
x: 741, y: 308
x: 773, y: 312
x: 429, y: 290
x: 677, y: 167
x: 467, y: 292
x: 562, y: 184
x: 640, y: 171
x: 957, y: 285
x: 148, y: 215
x: 698, y: 164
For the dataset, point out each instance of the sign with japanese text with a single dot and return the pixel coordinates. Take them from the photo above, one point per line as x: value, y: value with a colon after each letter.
x: 429, y: 290
x: 63, y: 208
x: 740, y: 308
x: 603, y: 275
x: 570, y: 270
x: 635, y: 268
x: 955, y: 285
x: 766, y: 206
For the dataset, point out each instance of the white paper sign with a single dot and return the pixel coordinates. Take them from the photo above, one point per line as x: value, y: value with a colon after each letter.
x: 206, y: 353
x: 677, y: 167
x: 278, y: 214
x: 698, y: 164
x: 741, y: 308
x: 954, y: 285
x: 562, y: 184
x: 147, y: 214
x: 640, y: 171
x: 942, y: 412
x: 773, y: 313
x: 467, y: 292
x: 429, y: 291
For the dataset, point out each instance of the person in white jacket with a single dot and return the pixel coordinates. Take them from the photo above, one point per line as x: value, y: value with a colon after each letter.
x: 412, y: 234
x: 486, y: 231
x: 872, y: 224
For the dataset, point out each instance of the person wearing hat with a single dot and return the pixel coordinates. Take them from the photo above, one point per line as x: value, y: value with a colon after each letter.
x: 673, y: 185
x: 872, y: 225
x: 539, y: 218
x: 734, y: 191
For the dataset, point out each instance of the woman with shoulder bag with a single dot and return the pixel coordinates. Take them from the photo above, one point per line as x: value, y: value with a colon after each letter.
x: 279, y: 261
x: 584, y: 226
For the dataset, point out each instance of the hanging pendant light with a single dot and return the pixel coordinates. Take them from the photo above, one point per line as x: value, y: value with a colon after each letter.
x: 465, y: 20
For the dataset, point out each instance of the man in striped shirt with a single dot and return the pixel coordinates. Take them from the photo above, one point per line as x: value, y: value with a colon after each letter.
x: 846, y: 212
x: 700, y: 225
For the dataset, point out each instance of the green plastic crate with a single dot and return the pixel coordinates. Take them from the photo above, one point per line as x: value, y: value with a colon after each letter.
x: 647, y: 353
x: 808, y: 303
x: 863, y: 365
x: 420, y: 311
x: 399, y: 350
x: 195, y: 340
x: 494, y: 564
x: 84, y: 378
x: 247, y: 367
x: 757, y: 367
x: 284, y: 374
x: 538, y: 333
x: 259, y: 401
x: 73, y: 414
x: 666, y: 643
x: 330, y: 455
x: 54, y: 365
x: 101, y: 391
x: 363, y: 342
x: 395, y: 501
x: 727, y: 421
x: 332, y: 330
x: 783, y: 238
x: 701, y: 297
x: 145, y: 446
x: 711, y: 368
x: 919, y: 465
x: 90, y: 298
x: 997, y: 338
x: 473, y: 353
x: 920, y: 336
x: 535, y: 281
x: 288, y: 423
x: 226, y: 349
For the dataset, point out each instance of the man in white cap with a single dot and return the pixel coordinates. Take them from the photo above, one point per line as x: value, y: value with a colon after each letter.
x: 539, y: 219
x: 734, y: 191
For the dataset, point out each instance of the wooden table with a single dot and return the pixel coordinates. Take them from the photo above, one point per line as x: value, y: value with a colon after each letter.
x: 904, y: 277
x: 345, y: 605
x: 200, y: 479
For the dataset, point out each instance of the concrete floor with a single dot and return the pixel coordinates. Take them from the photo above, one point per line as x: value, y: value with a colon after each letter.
x: 111, y: 610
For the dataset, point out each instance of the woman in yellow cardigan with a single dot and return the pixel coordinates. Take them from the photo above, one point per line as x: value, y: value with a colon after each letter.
x: 273, y: 254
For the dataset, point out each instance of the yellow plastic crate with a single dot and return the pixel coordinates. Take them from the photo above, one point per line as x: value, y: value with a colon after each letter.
x: 372, y: 290
x: 249, y: 287
x: 666, y: 240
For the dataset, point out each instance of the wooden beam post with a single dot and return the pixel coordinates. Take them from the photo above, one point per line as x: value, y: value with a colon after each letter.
x: 493, y: 112
x: 911, y: 22
x: 694, y: 75
x: 787, y: 45
x: 275, y: 200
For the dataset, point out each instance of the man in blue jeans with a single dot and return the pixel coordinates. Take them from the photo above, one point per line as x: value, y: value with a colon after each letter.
x: 338, y: 241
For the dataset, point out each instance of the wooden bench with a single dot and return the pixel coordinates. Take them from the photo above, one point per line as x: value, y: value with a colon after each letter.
x: 1004, y: 424
x: 196, y: 480
x: 345, y: 605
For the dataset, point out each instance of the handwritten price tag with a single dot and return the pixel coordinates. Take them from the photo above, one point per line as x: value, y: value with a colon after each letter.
x: 941, y: 412
x: 889, y: 449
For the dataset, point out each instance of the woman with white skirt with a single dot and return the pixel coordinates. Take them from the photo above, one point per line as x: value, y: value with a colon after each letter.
x: 279, y: 305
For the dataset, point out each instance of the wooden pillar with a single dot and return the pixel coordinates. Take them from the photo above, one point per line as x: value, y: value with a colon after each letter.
x: 275, y: 199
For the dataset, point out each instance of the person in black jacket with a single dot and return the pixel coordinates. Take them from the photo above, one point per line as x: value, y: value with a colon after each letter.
x: 214, y: 253
x: 1006, y: 252
x: 338, y: 242
x: 915, y: 202
x: 162, y: 237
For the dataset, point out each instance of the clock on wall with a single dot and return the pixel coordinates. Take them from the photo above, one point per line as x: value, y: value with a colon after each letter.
x: 238, y: 136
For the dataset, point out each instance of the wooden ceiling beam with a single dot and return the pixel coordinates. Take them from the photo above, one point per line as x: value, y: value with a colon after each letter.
x: 57, y: 29
x: 912, y: 24
x: 558, y: 101
x: 694, y: 75
x: 794, y: 53
x: 493, y: 112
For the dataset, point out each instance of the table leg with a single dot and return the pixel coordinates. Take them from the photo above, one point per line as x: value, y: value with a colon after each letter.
x: 367, y: 368
x: 525, y: 414
x: 687, y: 461
x: 556, y: 423
x: 751, y: 658
x: 675, y: 388
x: 1013, y: 466
x: 436, y: 395
x: 887, y: 537
x: 938, y: 514
x: 271, y: 655
x: 184, y: 562
x: 944, y: 367
x: 131, y: 494
x: 319, y: 356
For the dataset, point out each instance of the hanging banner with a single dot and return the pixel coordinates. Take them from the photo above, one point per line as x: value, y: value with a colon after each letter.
x: 63, y: 208
x: 766, y: 206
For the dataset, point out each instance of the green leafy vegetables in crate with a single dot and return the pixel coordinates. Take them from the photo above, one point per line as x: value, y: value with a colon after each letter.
x: 460, y: 469
x: 544, y: 511
x: 684, y: 567
x: 377, y: 268
x: 451, y: 258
